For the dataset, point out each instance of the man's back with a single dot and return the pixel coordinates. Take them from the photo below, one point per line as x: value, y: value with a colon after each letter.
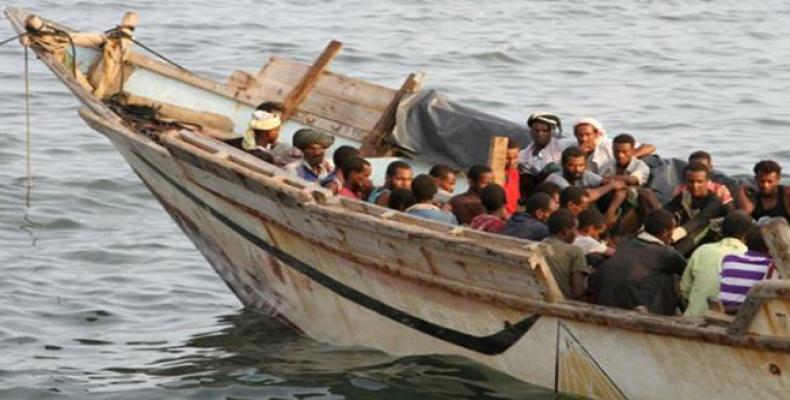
x: 466, y: 206
x: 564, y: 260
x: 644, y: 272
x: 701, y: 277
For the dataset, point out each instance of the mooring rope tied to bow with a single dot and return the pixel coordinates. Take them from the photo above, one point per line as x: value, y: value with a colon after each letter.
x: 28, y: 168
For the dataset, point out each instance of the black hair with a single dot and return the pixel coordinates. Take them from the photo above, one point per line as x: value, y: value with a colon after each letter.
x: 560, y: 221
x: 270, y: 106
x: 401, y: 199
x: 756, y: 242
x: 394, y: 166
x: 512, y: 144
x: 697, y: 166
x: 354, y: 164
x: 571, y: 152
x: 424, y: 188
x: 343, y: 153
x: 591, y: 217
x: 625, y: 138
x: 659, y: 221
x: 767, y: 167
x: 572, y: 194
x: 493, y: 197
x: 538, y: 201
x: 476, y: 172
x: 700, y: 154
x: 441, y: 171
x: 550, y: 188
x: 737, y: 224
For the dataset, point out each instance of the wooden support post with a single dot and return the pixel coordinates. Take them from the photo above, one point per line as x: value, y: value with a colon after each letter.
x: 375, y: 143
x: 310, y: 78
x: 497, y: 158
x: 777, y: 235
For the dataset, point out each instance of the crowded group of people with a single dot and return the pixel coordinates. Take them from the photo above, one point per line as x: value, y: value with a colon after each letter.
x: 610, y: 240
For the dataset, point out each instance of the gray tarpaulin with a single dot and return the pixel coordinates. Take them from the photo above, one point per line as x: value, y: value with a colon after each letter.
x: 441, y: 131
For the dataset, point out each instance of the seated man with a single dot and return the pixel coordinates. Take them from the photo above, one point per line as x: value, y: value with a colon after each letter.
x: 424, y: 189
x: 467, y: 205
x: 591, y: 139
x: 575, y: 173
x: 574, y: 199
x: 339, y: 157
x: 544, y: 151
x: 634, y: 173
x: 314, y: 167
x: 694, y: 209
x: 550, y: 189
x: 770, y: 199
x: 356, y: 178
x: 701, y: 278
x: 262, y: 139
x: 565, y: 260
x: 740, y: 272
x: 704, y: 157
x: 401, y: 199
x: 493, y: 220
x: 643, y: 271
x: 445, y: 179
x: 398, y: 175
x: 591, y: 228
x: 529, y: 221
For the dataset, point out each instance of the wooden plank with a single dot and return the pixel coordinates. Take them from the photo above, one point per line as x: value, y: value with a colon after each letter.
x: 377, y: 143
x: 497, y: 158
x: 204, y: 119
x: 308, y: 81
x: 336, y: 86
x: 777, y: 236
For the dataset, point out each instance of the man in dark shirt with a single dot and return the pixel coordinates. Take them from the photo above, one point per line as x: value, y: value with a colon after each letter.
x: 466, y: 206
x: 529, y: 221
x: 694, y: 209
x: 643, y: 271
x: 769, y: 198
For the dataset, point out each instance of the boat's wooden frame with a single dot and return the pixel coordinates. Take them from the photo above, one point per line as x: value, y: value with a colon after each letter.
x: 353, y: 273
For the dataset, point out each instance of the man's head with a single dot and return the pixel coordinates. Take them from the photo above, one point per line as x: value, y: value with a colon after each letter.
x: 493, y: 198
x: 574, y: 199
x: 401, y: 199
x: 562, y: 225
x: 313, y: 145
x: 342, y: 154
x: 356, y: 173
x: 479, y: 177
x: 398, y: 175
x: 587, y: 132
x: 767, y: 174
x: 592, y: 223
x: 736, y: 225
x: 574, y: 163
x: 756, y: 242
x: 541, y: 126
x: 540, y: 206
x: 623, y: 148
x: 697, y: 176
x: 660, y: 223
x: 703, y: 157
x: 551, y: 189
x: 272, y: 107
x: 511, y: 157
x: 424, y: 188
x: 445, y: 177
x: 266, y: 127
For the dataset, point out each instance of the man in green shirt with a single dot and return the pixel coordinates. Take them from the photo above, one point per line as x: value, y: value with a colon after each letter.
x: 566, y: 261
x: 701, y: 278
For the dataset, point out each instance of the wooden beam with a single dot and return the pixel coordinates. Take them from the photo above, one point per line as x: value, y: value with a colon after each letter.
x: 777, y: 235
x: 310, y: 78
x: 497, y: 158
x: 375, y: 144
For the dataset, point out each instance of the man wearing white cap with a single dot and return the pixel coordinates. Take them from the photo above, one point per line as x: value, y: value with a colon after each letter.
x: 262, y: 137
x: 591, y: 139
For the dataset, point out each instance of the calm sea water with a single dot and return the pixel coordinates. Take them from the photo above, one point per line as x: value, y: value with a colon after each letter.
x: 101, y: 296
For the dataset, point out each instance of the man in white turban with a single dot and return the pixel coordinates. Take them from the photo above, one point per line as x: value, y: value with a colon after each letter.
x: 591, y: 139
x: 262, y: 139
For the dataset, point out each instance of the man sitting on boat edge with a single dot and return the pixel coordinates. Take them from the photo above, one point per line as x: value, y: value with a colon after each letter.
x: 261, y: 139
x: 314, y: 167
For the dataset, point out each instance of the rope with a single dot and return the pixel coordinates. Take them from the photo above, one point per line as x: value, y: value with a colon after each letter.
x: 28, y: 169
x: 13, y: 38
x: 117, y: 31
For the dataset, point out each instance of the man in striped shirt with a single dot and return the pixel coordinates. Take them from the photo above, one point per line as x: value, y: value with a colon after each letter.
x: 740, y: 272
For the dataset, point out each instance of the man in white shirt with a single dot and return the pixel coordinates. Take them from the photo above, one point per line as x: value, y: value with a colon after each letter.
x: 591, y: 138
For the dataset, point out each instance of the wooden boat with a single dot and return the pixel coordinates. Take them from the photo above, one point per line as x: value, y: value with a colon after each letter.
x: 352, y: 273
